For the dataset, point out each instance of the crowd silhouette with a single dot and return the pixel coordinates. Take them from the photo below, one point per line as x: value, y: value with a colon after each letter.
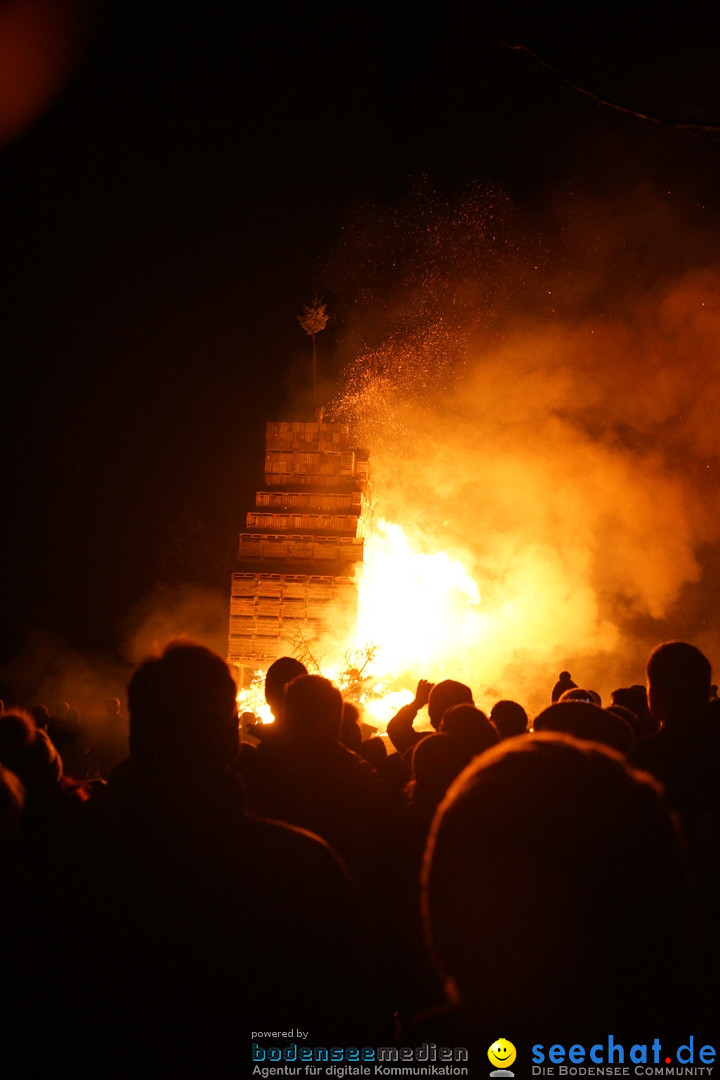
x: 544, y: 876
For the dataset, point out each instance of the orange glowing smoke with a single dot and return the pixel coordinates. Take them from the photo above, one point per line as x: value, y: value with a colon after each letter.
x: 556, y: 503
x: 542, y: 418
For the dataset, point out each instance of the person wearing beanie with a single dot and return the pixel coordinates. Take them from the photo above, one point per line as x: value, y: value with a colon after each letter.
x: 565, y: 682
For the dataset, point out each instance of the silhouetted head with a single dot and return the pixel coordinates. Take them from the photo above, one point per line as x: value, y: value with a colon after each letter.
x: 584, y: 720
x: 564, y: 683
x: 634, y: 699
x: 279, y: 674
x: 509, y: 718
x: 41, y: 715
x: 628, y: 717
x: 350, y: 733
x: 443, y: 695
x: 579, y: 693
x: 436, y: 761
x: 313, y: 709
x: 27, y: 750
x: 374, y: 752
x: 471, y: 726
x: 183, y: 711
x: 553, y: 885
x: 576, y: 693
x: 678, y: 679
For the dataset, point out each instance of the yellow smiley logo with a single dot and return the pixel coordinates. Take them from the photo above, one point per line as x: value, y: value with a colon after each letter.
x: 502, y: 1053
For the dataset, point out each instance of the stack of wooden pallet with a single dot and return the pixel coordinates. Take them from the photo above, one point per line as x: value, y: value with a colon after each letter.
x: 296, y: 577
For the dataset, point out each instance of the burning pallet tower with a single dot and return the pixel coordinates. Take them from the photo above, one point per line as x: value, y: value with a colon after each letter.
x: 295, y: 584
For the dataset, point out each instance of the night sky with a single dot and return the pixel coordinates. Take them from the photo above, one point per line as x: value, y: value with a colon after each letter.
x: 164, y: 218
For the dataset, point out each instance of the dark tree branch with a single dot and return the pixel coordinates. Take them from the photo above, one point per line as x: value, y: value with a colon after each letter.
x: 680, y: 125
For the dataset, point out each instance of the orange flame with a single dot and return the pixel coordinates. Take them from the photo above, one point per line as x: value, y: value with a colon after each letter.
x: 413, y: 604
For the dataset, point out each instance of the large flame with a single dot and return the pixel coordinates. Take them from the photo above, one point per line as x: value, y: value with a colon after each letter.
x: 414, y: 604
x: 421, y: 608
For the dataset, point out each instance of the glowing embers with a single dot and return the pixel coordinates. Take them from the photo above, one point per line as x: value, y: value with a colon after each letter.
x: 417, y: 606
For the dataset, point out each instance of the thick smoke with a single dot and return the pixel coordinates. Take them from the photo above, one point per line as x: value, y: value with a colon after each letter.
x: 193, y: 612
x: 48, y: 671
x: 549, y: 420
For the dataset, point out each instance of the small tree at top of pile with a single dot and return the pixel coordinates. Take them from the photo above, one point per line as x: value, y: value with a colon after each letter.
x: 314, y: 319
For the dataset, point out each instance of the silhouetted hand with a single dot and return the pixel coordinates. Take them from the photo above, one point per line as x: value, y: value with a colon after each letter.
x: 422, y: 693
